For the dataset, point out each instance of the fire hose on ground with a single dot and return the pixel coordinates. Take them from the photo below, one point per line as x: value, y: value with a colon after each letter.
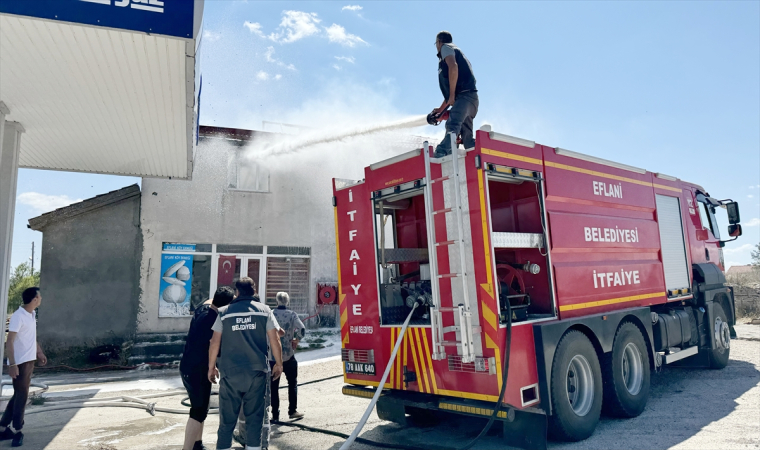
x: 140, y: 402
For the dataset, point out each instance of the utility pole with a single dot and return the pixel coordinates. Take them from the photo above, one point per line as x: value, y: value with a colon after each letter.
x: 32, y: 258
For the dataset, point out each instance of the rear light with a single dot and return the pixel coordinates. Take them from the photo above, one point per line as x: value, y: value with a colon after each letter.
x: 480, y: 365
x: 359, y: 356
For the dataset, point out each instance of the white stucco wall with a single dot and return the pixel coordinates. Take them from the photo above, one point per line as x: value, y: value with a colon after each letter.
x: 296, y: 212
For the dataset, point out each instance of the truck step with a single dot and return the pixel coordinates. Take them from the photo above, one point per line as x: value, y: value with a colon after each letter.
x: 677, y: 356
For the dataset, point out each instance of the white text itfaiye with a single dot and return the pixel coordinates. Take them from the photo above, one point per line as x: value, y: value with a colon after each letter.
x: 608, y: 190
x: 356, y: 309
x: 616, y: 234
x: 620, y: 278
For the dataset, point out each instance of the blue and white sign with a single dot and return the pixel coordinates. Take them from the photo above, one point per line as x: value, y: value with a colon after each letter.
x: 166, y: 17
x: 179, y: 247
x: 176, y: 285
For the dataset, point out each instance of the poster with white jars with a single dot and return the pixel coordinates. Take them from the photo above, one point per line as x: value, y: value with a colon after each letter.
x: 176, y: 284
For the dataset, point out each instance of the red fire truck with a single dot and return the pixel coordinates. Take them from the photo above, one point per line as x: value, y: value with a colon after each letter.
x: 583, y: 275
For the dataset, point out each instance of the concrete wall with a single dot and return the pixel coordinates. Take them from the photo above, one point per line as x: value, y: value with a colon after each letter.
x: 296, y: 212
x: 90, y: 276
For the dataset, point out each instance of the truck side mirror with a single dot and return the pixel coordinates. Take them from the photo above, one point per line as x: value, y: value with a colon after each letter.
x: 732, y: 208
x: 735, y: 230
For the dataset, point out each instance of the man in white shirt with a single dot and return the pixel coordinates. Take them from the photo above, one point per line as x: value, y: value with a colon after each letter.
x: 22, y: 350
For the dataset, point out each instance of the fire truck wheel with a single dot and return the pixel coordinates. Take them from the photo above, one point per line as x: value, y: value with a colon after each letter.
x: 576, y: 388
x: 626, y: 373
x: 719, y: 355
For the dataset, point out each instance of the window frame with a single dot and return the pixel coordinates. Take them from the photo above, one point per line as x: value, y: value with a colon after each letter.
x: 237, y: 166
x: 709, y: 211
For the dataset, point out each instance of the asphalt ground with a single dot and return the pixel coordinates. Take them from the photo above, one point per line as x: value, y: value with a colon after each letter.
x: 687, y: 408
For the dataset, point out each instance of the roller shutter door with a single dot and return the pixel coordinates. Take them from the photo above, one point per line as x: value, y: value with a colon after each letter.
x: 672, y: 242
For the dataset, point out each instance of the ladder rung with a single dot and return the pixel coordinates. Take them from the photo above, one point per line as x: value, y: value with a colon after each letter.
x: 448, y: 275
x: 451, y: 329
x: 436, y: 180
x: 451, y: 343
x: 448, y: 309
x: 442, y: 211
x: 444, y: 243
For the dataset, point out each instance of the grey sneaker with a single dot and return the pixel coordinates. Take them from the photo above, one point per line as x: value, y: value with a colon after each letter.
x: 296, y: 415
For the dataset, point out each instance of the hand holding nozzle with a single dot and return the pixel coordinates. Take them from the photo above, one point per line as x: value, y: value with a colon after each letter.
x: 437, y: 116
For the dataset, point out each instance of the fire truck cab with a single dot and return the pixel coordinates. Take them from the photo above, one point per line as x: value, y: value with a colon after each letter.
x: 560, y: 278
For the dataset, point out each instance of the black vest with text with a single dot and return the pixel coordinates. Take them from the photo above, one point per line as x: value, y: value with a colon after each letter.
x: 466, y: 79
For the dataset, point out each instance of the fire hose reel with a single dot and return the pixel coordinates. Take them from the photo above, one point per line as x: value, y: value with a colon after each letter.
x: 327, y: 295
x: 512, y: 288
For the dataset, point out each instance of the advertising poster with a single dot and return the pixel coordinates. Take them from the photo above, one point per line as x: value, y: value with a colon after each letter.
x: 176, y: 285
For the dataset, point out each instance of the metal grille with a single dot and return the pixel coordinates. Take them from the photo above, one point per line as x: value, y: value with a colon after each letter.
x: 360, y: 356
x: 480, y: 365
x: 289, y: 275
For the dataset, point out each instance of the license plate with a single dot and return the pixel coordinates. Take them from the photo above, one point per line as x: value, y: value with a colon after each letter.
x: 360, y: 368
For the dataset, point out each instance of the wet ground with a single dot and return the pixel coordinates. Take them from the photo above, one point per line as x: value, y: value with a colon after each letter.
x: 688, y: 408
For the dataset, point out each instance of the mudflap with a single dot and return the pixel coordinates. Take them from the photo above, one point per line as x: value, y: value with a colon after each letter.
x: 391, y: 411
x: 528, y: 430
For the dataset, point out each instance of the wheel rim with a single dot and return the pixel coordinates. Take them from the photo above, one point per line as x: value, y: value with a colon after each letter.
x: 580, y: 385
x: 722, y: 335
x: 633, y: 369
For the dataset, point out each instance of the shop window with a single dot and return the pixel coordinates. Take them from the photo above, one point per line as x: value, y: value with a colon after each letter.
x: 240, y: 249
x: 291, y: 275
x: 281, y: 250
x: 249, y: 175
x: 201, y: 283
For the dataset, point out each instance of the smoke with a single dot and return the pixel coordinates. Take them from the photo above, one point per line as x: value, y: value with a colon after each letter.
x: 345, y: 127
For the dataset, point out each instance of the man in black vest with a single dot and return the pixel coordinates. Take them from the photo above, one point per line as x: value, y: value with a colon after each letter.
x: 457, y: 84
x: 242, y: 330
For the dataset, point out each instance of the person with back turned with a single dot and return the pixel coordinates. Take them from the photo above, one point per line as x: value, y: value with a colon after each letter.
x: 294, y: 332
x: 22, y: 350
x: 457, y: 83
x: 242, y: 330
x: 194, y: 365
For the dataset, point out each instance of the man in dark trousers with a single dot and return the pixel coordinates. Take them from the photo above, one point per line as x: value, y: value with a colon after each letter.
x: 457, y: 83
x: 194, y: 365
x: 22, y: 350
x: 242, y: 330
x: 294, y: 332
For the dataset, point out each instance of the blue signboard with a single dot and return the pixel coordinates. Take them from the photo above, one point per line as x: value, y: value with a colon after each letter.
x: 179, y: 247
x: 166, y: 17
x: 176, y: 285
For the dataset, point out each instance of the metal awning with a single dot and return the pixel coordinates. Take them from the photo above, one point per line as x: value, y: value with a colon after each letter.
x: 103, y: 86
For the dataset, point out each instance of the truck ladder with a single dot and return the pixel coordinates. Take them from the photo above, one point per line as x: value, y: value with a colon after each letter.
x: 462, y: 313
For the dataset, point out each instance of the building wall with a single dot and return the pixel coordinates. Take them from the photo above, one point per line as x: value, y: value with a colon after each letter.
x: 90, y: 278
x: 297, y: 211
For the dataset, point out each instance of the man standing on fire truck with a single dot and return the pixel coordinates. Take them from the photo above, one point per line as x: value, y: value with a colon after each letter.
x: 457, y: 84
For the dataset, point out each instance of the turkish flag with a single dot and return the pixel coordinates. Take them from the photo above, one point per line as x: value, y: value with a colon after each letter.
x: 226, y: 275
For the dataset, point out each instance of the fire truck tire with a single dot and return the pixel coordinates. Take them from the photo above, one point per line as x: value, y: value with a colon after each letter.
x: 576, y: 388
x: 719, y: 355
x: 626, y: 373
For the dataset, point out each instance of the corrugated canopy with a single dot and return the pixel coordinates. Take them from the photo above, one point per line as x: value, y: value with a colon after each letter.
x: 103, y: 86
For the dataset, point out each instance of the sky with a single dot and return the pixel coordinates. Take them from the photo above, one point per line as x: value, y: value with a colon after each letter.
x: 673, y: 87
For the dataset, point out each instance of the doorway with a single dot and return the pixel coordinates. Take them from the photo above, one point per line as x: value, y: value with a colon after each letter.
x: 232, y: 267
